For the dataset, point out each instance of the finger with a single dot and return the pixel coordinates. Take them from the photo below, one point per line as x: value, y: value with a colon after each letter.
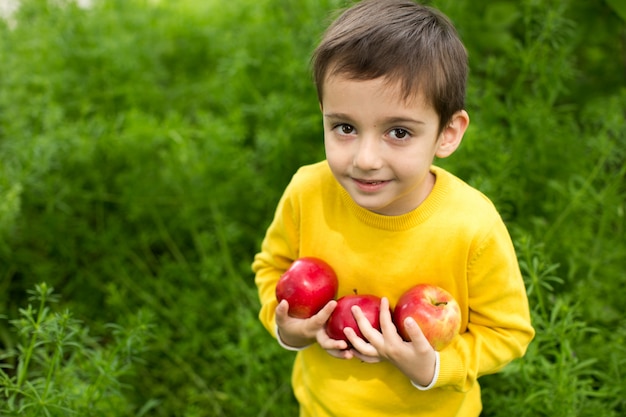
x: 341, y: 354
x: 330, y: 344
x: 364, y: 324
x: 282, y: 311
x: 387, y: 325
x: 366, y: 358
x: 359, y: 344
x: 416, y: 335
x: 323, y: 315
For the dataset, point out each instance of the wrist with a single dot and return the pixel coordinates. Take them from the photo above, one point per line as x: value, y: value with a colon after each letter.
x: 291, y: 343
x: 433, y: 380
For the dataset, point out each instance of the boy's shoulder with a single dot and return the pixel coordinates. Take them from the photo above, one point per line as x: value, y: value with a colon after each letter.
x: 460, y: 196
x: 310, y: 182
x: 313, y: 174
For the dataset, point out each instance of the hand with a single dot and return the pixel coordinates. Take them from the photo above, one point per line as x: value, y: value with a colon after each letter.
x: 416, y: 359
x: 303, y: 332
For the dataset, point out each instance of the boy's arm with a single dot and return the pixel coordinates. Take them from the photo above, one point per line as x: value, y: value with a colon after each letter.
x: 499, y: 328
x: 278, y: 250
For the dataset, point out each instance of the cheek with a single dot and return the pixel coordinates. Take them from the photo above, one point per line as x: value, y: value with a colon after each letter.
x: 338, y: 157
x: 333, y: 157
x: 411, y: 166
x: 330, y: 151
x: 333, y: 149
x: 327, y: 147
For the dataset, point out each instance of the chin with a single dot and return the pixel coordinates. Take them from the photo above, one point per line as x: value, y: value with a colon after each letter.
x: 375, y: 208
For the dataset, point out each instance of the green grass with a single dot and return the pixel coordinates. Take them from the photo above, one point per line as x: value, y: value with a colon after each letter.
x: 143, y: 148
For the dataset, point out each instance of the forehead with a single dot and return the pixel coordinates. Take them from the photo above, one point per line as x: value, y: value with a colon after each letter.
x: 376, y: 101
x: 344, y: 88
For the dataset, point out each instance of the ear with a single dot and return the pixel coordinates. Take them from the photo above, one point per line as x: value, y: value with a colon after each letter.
x: 452, y: 135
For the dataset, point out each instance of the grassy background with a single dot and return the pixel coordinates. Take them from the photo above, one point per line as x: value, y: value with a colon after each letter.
x: 144, y: 145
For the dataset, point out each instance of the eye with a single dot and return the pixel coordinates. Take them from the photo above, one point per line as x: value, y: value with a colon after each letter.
x: 399, y: 134
x: 344, y: 129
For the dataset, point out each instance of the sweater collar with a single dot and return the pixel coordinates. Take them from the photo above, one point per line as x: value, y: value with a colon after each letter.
x: 408, y: 220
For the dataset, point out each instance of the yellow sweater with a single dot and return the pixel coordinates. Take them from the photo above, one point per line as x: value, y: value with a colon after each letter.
x: 454, y: 239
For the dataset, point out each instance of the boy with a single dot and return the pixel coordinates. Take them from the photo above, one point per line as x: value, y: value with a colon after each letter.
x: 390, y: 76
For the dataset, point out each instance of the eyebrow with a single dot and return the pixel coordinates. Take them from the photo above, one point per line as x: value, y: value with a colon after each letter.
x: 389, y: 120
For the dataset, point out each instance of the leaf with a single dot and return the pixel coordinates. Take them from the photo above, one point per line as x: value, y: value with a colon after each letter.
x: 619, y: 7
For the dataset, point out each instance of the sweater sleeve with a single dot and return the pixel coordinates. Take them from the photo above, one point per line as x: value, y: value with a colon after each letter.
x: 499, y: 328
x: 278, y: 250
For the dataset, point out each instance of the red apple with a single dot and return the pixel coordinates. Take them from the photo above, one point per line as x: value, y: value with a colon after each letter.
x: 342, y: 316
x: 308, y: 285
x: 434, y: 309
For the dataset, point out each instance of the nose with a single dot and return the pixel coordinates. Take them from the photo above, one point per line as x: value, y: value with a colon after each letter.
x: 367, y: 154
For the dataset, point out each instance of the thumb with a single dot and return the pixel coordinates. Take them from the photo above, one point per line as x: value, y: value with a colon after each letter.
x: 324, y: 314
x: 282, y: 310
x: 415, y: 333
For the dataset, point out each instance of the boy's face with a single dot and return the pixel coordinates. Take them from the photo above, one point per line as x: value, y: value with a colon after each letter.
x: 379, y: 146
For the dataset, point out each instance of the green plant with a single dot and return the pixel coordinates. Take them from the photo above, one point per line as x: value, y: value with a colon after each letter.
x: 58, y: 369
x: 557, y: 376
x: 144, y: 146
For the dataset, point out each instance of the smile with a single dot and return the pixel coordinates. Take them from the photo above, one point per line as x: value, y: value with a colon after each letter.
x: 370, y: 185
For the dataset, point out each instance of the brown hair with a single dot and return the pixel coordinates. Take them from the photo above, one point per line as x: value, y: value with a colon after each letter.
x: 403, y: 41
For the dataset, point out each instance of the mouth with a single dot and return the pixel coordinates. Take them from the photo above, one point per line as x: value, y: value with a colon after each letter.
x: 372, y: 182
x: 369, y: 185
